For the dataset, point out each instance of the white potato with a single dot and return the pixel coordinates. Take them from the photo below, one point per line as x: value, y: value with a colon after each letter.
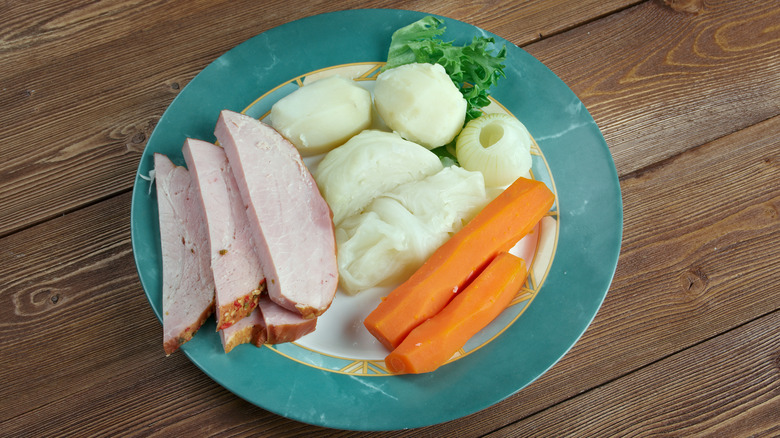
x: 421, y: 103
x: 367, y: 165
x: 400, y: 229
x: 323, y: 114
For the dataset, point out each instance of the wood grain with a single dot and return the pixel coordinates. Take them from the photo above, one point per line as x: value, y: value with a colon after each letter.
x: 67, y: 315
x: 685, y: 344
x: 680, y: 67
x: 726, y: 386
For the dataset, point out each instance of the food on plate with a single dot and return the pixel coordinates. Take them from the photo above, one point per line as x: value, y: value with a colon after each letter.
x: 395, y: 207
x: 436, y: 340
x: 323, y: 114
x: 238, y: 277
x: 401, y: 228
x: 249, y: 329
x: 474, y: 68
x: 498, y: 227
x: 369, y: 164
x: 381, y: 207
x: 269, y: 323
x: 210, y: 251
x: 290, y: 221
x: 420, y: 102
x: 281, y: 325
x: 497, y: 145
x: 187, y: 286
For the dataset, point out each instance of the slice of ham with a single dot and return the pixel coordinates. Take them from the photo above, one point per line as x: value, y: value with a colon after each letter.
x: 187, y: 286
x: 292, y: 224
x: 250, y: 329
x: 270, y: 323
x: 238, y: 277
x: 282, y: 325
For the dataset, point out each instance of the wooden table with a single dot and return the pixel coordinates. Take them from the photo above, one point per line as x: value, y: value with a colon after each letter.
x: 686, y: 92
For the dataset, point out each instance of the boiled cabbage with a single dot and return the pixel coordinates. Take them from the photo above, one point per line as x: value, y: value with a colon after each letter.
x: 400, y: 229
x: 370, y: 164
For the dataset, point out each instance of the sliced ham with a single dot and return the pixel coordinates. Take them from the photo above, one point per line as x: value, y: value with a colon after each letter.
x: 250, y: 329
x: 292, y: 224
x: 187, y: 286
x: 270, y: 323
x: 282, y: 325
x: 238, y: 277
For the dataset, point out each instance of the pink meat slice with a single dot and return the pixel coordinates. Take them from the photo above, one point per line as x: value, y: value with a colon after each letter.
x: 250, y: 329
x: 291, y: 222
x: 282, y: 325
x: 270, y: 323
x: 238, y: 277
x: 187, y: 286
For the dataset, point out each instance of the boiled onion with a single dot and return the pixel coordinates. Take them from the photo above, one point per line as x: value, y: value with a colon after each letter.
x: 497, y: 145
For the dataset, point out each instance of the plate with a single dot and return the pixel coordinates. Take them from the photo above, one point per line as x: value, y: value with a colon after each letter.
x: 304, y: 385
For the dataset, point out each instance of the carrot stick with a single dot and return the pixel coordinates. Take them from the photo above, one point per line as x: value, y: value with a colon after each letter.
x: 498, y: 227
x: 433, y: 342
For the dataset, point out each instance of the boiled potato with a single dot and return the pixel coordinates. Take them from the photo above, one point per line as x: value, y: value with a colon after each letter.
x: 322, y: 115
x: 421, y: 103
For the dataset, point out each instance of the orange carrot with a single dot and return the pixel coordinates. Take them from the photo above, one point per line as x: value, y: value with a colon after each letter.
x: 498, y: 227
x: 433, y: 342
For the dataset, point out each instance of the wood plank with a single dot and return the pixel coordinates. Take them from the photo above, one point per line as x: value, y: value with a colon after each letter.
x: 53, y: 30
x: 83, y: 89
x: 74, y: 309
x: 705, y: 74
x: 524, y: 22
x: 694, y: 266
x: 153, y: 399
x: 726, y: 386
x: 33, y: 34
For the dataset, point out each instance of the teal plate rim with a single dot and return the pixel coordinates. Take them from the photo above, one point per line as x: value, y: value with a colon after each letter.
x: 589, y: 240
